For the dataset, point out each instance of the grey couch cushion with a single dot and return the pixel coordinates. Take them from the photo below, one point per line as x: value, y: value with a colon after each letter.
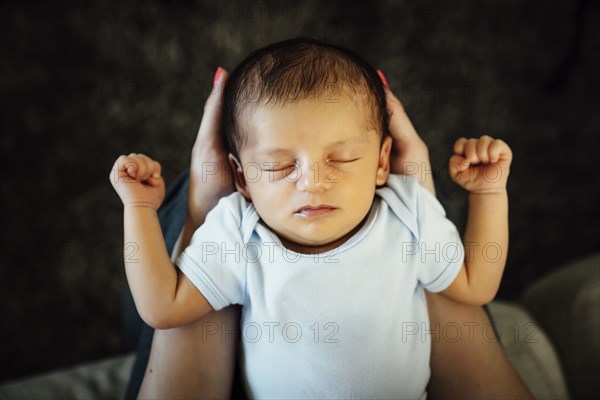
x: 105, y: 379
x: 567, y: 303
x: 529, y: 350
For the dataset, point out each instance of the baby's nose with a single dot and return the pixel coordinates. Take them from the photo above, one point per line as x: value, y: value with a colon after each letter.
x: 314, y: 177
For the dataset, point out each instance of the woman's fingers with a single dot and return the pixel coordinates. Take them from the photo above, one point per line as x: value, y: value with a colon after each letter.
x: 400, y: 125
x: 401, y: 128
x: 211, y: 119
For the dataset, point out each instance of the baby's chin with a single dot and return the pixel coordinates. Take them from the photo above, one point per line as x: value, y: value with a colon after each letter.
x: 313, y: 247
x: 316, y: 245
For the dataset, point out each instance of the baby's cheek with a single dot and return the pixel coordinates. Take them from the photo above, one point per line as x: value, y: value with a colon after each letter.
x: 364, y: 200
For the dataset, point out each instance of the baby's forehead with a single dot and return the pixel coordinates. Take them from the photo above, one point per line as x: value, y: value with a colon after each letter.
x: 277, y: 140
x: 354, y: 103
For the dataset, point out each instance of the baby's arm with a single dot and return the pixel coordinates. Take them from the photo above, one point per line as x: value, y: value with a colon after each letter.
x: 481, y: 166
x: 163, y: 296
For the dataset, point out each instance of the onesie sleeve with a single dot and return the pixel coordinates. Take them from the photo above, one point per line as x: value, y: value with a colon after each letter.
x: 440, y: 252
x: 214, y: 260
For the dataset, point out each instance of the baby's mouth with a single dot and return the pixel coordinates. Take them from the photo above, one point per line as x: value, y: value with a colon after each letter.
x: 314, y: 211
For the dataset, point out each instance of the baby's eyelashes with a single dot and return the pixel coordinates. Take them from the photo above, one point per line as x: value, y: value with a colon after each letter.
x: 275, y: 167
x: 343, y: 160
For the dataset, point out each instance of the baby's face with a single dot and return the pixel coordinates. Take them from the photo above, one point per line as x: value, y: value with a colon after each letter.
x: 311, y: 169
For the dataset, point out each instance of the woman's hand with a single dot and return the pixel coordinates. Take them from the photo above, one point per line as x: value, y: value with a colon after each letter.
x: 138, y: 182
x: 409, y: 155
x: 210, y: 174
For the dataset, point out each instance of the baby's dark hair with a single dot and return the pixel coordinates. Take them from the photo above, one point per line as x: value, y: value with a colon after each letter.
x: 294, y: 70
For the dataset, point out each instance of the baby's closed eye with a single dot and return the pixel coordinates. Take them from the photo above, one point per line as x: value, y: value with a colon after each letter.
x: 275, y: 166
x: 342, y: 159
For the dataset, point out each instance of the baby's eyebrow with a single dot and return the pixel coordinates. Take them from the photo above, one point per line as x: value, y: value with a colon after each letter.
x: 276, y: 150
x: 346, y: 142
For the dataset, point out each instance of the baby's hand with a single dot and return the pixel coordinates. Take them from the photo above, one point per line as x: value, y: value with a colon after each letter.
x: 481, y: 165
x: 137, y: 180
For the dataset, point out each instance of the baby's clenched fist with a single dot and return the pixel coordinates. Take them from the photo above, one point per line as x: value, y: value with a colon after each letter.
x: 137, y: 180
x: 481, y: 165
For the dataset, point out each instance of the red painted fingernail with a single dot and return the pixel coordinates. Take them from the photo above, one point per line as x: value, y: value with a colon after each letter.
x: 383, y: 78
x: 217, y: 75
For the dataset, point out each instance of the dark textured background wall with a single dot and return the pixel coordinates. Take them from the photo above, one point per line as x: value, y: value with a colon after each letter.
x: 82, y: 83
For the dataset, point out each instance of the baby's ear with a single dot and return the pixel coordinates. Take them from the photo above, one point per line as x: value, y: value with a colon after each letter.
x: 238, y: 177
x: 383, y: 169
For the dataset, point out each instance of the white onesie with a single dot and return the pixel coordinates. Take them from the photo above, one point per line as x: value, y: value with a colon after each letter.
x: 351, y: 322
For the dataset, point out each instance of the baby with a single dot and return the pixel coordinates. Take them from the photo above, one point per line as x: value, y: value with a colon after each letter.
x: 328, y: 253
